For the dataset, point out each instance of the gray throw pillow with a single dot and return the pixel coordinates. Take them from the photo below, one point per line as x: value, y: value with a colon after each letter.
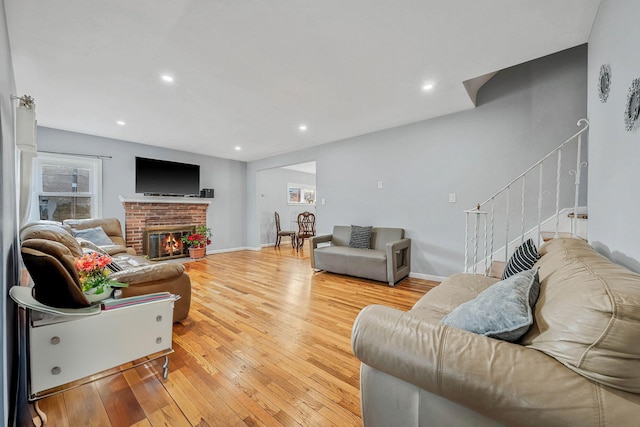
x: 360, y: 236
x: 502, y: 311
x: 97, y: 236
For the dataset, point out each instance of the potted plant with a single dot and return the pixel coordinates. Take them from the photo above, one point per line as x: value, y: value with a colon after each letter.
x: 94, y: 276
x: 197, y: 242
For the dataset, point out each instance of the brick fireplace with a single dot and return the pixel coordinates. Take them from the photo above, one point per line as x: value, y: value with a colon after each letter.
x: 153, y: 212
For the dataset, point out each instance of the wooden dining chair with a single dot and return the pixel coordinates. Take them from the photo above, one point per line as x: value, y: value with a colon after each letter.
x: 280, y: 233
x: 306, y: 227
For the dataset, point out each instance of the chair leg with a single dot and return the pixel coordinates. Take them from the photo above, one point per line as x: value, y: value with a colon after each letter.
x: 277, y: 241
x: 293, y: 240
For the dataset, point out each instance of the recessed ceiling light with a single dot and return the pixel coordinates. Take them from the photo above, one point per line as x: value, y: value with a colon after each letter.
x: 121, y: 122
x: 427, y: 86
x: 167, y: 78
x: 237, y: 148
x: 302, y: 128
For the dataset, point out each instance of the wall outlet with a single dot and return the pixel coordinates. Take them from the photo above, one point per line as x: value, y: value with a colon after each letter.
x: 452, y: 197
x: 323, y: 202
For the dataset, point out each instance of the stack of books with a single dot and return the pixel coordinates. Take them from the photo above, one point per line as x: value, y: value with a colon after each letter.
x: 112, y: 304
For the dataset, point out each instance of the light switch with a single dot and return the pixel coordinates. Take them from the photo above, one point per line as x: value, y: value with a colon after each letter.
x: 324, y: 202
x: 379, y: 184
x: 452, y: 197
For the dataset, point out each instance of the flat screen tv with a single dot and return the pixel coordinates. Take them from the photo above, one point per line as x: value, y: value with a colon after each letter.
x: 164, y: 178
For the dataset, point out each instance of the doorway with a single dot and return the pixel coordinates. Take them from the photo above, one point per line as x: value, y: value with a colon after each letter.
x: 288, y: 190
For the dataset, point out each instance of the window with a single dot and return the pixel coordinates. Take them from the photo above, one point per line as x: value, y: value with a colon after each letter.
x: 66, y: 187
x: 301, y: 194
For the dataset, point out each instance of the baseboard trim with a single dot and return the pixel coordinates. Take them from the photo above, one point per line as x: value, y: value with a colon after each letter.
x: 427, y: 277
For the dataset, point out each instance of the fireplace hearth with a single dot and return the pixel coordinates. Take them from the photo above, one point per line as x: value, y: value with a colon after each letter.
x: 165, y: 242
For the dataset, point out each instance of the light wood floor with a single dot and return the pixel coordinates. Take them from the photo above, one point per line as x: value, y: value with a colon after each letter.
x: 267, y: 342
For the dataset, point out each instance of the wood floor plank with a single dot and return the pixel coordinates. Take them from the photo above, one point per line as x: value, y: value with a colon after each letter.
x: 267, y: 343
x: 85, y: 408
x: 54, y: 407
x: 119, y: 401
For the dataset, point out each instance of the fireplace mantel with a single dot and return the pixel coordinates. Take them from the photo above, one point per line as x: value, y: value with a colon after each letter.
x: 155, y: 199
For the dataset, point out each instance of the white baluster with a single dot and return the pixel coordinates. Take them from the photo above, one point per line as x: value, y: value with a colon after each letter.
x: 506, y: 230
x: 539, y: 203
x: 558, y: 192
x: 493, y: 210
x: 466, y: 242
x: 524, y: 191
x: 486, y: 242
x: 475, y: 246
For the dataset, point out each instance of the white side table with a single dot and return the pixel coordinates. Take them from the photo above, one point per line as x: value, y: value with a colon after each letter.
x: 67, y: 347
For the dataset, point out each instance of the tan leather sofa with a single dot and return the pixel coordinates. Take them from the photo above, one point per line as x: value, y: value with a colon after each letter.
x: 49, y: 249
x: 578, y: 365
x: 387, y: 260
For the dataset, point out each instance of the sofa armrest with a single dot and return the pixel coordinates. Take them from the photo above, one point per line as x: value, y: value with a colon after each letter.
x: 398, y: 260
x: 148, y: 273
x: 314, y: 245
x: 504, y: 381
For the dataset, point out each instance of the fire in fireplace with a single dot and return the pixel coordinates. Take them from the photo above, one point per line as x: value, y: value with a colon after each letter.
x: 164, y: 242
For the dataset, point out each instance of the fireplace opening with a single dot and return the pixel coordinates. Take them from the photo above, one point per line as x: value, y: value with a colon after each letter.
x: 165, y: 242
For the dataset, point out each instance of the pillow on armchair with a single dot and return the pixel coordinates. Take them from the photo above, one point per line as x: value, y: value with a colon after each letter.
x: 522, y: 259
x: 95, y: 235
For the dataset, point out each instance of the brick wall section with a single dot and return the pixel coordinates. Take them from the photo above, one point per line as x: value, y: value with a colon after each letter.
x: 139, y: 215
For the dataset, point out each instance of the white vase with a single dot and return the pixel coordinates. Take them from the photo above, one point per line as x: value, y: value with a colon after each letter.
x: 93, y: 297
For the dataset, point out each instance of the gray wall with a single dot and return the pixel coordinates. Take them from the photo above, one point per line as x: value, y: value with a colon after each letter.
x: 226, y: 214
x: 614, y: 152
x: 272, y: 196
x: 523, y: 113
x: 8, y: 232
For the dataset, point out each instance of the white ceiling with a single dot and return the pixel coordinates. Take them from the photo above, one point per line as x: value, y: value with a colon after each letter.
x: 248, y: 73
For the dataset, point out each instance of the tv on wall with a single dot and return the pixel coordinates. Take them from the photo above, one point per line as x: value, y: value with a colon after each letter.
x: 164, y: 178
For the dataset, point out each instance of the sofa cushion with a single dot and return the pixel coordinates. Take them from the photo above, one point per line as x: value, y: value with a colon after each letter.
x: 53, y: 233
x: 522, y: 259
x: 360, y: 237
x: 331, y: 258
x: 341, y: 235
x: 380, y: 236
x: 501, y: 311
x: 588, y: 314
x: 95, y: 235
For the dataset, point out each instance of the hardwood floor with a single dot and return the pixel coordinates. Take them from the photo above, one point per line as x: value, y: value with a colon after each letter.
x: 266, y: 343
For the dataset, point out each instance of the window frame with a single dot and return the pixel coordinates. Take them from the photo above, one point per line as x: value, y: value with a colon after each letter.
x: 95, y: 181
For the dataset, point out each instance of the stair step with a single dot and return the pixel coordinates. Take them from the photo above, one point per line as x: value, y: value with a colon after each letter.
x: 580, y: 216
x: 497, y: 267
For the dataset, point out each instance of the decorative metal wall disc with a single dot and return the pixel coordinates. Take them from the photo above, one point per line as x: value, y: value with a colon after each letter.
x: 604, y: 82
x: 632, y: 112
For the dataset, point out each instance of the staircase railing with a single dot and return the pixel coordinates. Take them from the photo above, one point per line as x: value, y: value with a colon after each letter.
x: 481, y: 231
